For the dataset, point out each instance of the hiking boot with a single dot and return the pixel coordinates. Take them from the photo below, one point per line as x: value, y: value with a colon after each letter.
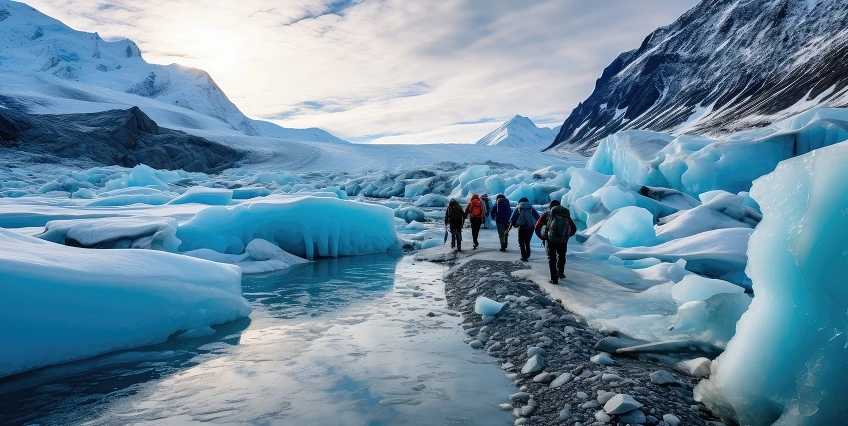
x: 553, y: 282
x: 524, y: 259
x: 561, y: 275
x: 503, y: 249
x: 475, y: 246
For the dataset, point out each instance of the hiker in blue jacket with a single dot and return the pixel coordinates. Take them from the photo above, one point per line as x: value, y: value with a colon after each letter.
x: 524, y: 218
x: 500, y: 213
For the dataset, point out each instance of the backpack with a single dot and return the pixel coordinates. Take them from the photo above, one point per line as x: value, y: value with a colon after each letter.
x: 456, y: 213
x: 525, y: 217
x: 476, y: 208
x: 558, y: 228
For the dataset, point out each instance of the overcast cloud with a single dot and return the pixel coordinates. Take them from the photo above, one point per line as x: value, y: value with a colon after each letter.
x: 388, y: 71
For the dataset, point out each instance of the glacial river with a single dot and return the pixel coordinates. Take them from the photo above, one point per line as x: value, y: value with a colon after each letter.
x: 362, y: 340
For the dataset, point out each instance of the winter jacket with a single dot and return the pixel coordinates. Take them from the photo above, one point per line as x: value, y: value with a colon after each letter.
x: 454, y: 215
x: 501, y: 212
x: 475, y: 207
x: 524, y: 208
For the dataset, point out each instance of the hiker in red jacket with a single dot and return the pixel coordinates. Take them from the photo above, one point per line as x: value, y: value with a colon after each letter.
x: 475, y: 211
x: 554, y: 228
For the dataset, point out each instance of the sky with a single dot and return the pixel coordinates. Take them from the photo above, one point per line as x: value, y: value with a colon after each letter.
x: 385, y: 71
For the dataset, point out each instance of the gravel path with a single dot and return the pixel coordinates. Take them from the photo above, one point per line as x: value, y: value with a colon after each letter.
x: 549, y: 354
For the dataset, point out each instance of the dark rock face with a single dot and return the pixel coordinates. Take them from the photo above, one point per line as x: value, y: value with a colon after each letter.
x: 116, y: 137
x: 720, y: 68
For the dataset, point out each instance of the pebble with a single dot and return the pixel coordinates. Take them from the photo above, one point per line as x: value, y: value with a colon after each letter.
x: 581, y: 395
x: 671, y: 419
x: 534, y: 364
x: 519, y: 396
x: 505, y: 407
x: 419, y: 387
x: 601, y: 416
x: 609, y: 377
x: 527, y: 410
x: 561, y: 380
x: 662, y: 377
x: 634, y: 417
x: 590, y: 404
x: 544, y: 377
x: 535, y: 350
x: 521, y: 421
x: 603, y: 397
x: 476, y: 344
x: 508, y: 366
x: 621, y: 403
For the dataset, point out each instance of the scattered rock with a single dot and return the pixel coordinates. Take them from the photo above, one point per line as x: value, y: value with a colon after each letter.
x: 671, y: 419
x: 609, y: 377
x: 519, y: 396
x: 621, y: 403
x: 561, y: 380
x: 534, y: 364
x: 603, y: 397
x: 476, y: 344
x: 662, y: 377
x: 601, y: 416
x: 634, y: 417
x: 544, y: 377
x: 505, y: 407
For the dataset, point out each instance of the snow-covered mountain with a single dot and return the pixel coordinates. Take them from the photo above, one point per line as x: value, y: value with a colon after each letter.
x: 50, y: 68
x: 520, y: 132
x: 723, y: 66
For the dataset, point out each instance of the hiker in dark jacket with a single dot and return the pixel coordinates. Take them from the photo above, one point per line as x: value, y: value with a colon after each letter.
x: 554, y: 228
x: 500, y: 213
x: 455, y: 217
x: 524, y: 218
x: 475, y: 211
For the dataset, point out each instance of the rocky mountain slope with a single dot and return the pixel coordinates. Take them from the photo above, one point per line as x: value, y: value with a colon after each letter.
x: 122, y: 137
x: 722, y: 67
x: 520, y: 132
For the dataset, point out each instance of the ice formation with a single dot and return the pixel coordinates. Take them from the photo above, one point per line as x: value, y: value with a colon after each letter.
x: 68, y: 303
x: 786, y: 363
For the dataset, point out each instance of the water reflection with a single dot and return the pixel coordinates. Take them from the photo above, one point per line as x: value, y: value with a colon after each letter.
x: 350, y: 341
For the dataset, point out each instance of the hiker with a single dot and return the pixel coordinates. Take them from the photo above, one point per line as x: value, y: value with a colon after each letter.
x: 455, y: 217
x: 524, y: 218
x: 558, y: 227
x: 500, y: 213
x: 487, y: 210
x: 475, y: 211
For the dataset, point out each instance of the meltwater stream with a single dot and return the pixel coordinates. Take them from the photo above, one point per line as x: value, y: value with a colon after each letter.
x: 347, y: 341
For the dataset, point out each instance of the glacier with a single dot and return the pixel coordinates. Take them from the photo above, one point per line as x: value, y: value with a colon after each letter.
x: 69, y: 303
x: 786, y: 363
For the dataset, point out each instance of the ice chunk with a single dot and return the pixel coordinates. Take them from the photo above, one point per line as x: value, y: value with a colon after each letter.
x: 203, y: 195
x: 115, y: 232
x: 68, y: 303
x: 432, y: 200
x: 786, y: 363
x: 410, y: 214
x: 629, y: 227
x: 486, y: 306
x: 304, y: 226
x: 695, y: 288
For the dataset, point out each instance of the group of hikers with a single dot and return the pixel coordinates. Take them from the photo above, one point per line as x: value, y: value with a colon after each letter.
x: 553, y: 227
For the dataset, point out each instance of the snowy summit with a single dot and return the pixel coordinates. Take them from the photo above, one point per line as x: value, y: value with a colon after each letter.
x: 520, y: 132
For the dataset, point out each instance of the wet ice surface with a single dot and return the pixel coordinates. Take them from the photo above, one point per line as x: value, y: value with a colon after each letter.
x: 344, y: 341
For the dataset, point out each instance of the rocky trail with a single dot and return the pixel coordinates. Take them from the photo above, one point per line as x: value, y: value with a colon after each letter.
x: 550, y: 355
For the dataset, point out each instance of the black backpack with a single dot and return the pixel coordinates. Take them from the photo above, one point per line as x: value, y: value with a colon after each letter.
x: 558, y: 228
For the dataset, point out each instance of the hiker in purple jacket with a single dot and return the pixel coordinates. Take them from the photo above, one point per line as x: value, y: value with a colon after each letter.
x: 501, y: 213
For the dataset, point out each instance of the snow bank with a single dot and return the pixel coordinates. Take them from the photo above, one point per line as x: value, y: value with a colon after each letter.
x: 304, y: 226
x: 69, y: 303
x: 787, y: 363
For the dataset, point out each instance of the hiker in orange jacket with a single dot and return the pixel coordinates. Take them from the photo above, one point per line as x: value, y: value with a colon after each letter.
x: 476, y: 212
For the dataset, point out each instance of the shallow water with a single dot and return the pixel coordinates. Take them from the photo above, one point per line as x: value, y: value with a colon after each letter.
x: 336, y: 342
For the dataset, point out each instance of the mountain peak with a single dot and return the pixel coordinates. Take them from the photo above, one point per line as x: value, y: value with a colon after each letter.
x: 519, y: 132
x: 720, y: 68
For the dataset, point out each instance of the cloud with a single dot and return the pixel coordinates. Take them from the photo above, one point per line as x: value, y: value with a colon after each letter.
x: 387, y: 70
